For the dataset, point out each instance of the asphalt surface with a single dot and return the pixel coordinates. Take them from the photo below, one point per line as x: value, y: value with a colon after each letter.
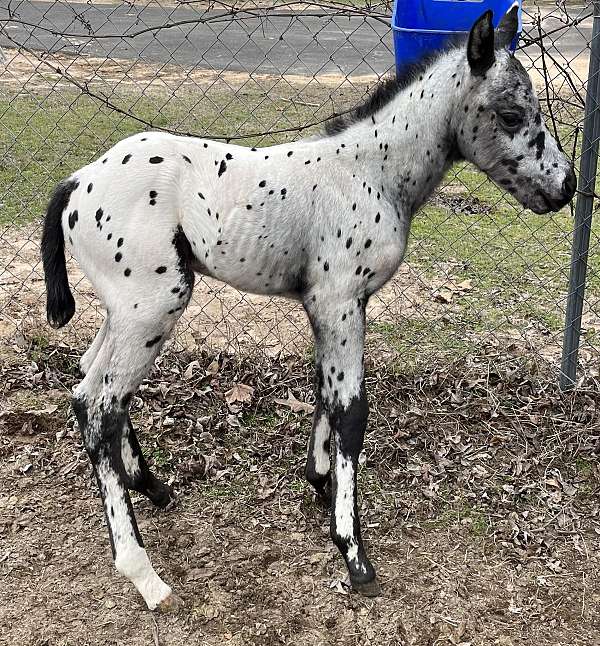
x: 278, y: 44
x: 300, y: 44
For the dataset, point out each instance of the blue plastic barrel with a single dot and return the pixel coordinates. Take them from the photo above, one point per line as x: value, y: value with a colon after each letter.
x: 423, y: 26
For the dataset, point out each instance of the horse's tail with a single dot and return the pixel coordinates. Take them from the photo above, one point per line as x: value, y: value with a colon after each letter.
x: 60, y: 305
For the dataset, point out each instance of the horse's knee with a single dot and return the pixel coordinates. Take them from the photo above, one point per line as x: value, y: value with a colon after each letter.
x: 81, y: 409
x: 350, y: 424
x: 100, y: 427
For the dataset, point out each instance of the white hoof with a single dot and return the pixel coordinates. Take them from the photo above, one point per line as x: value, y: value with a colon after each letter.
x: 171, y: 604
x: 135, y: 565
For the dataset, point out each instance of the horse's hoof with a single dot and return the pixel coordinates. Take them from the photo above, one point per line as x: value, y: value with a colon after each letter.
x: 162, y: 496
x: 368, y: 589
x: 171, y: 604
x: 324, y: 497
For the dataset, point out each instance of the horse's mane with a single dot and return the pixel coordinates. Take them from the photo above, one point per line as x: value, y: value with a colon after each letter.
x: 386, y: 90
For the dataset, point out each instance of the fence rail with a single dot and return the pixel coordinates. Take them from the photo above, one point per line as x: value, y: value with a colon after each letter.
x: 480, y: 272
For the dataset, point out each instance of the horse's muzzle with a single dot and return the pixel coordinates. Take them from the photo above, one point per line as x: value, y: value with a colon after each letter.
x: 544, y: 203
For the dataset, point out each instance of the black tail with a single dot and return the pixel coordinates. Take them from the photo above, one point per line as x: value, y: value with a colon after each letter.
x: 60, y: 305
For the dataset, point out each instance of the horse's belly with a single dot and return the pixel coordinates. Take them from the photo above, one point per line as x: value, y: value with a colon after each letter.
x: 250, y: 273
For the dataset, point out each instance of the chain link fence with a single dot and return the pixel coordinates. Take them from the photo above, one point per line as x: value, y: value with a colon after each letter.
x: 481, y: 275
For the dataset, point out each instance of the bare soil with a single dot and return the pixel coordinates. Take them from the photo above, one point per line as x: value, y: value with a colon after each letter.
x: 479, y: 502
x: 37, y: 71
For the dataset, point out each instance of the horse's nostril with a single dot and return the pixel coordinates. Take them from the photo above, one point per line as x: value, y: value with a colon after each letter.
x: 569, y: 184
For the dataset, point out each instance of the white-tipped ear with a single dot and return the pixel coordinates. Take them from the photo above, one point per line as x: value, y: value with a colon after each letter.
x: 480, y: 48
x: 508, y: 28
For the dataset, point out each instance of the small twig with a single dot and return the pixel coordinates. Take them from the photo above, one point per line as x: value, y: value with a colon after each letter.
x: 297, y: 102
x: 528, y: 41
x: 155, y: 633
x: 547, y: 84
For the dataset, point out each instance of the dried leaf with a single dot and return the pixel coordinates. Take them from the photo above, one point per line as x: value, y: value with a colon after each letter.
x: 446, y: 292
x: 239, y: 393
x: 443, y: 296
x: 295, y: 405
x: 48, y: 410
x: 189, y: 371
x: 464, y: 286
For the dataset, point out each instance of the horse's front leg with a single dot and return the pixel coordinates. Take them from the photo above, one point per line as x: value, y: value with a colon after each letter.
x: 339, y: 329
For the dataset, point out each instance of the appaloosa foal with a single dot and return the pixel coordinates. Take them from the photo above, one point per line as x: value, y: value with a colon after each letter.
x: 324, y: 221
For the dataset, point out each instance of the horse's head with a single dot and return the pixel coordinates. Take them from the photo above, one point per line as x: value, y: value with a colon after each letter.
x: 499, y: 125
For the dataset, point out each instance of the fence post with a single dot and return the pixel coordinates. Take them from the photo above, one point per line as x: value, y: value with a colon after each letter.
x: 583, y: 212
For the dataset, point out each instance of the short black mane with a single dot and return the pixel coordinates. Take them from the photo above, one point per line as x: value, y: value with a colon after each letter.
x: 385, y: 91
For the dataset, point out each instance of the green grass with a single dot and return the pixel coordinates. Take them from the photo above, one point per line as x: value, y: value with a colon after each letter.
x: 525, y: 256
x: 260, y: 420
x: 160, y: 458
x: 447, y: 338
x: 460, y: 513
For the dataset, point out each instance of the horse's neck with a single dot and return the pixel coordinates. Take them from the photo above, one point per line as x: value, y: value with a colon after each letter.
x: 408, y: 145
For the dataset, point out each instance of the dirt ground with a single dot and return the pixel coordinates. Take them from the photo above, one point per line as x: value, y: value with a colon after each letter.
x: 479, y: 504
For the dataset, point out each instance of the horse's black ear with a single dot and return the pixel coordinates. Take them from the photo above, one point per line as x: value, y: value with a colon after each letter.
x: 508, y: 27
x: 480, y: 48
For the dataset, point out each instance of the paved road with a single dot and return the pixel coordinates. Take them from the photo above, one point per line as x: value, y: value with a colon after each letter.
x: 301, y: 44
x: 275, y: 45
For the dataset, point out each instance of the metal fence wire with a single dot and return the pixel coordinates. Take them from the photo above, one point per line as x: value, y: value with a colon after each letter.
x: 480, y: 273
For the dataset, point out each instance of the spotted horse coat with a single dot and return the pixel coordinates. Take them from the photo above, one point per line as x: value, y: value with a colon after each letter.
x: 323, y: 220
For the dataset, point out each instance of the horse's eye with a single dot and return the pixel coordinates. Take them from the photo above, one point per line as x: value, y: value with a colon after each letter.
x: 511, y: 120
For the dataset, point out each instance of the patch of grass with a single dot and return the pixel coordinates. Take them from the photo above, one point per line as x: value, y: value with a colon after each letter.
x: 463, y: 515
x: 226, y: 490
x: 260, y: 420
x: 518, y: 261
x: 584, y: 467
x: 160, y: 458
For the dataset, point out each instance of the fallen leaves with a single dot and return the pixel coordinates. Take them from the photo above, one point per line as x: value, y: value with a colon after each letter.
x: 239, y: 393
x: 485, y: 448
x: 449, y: 289
x: 295, y: 405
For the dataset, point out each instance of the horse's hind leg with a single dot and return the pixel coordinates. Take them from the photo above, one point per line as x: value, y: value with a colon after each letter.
x: 85, y: 363
x: 101, y: 403
x: 139, y: 476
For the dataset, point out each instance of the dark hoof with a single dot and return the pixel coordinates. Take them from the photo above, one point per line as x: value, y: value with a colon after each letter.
x: 324, y: 495
x: 368, y: 589
x: 162, y: 496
